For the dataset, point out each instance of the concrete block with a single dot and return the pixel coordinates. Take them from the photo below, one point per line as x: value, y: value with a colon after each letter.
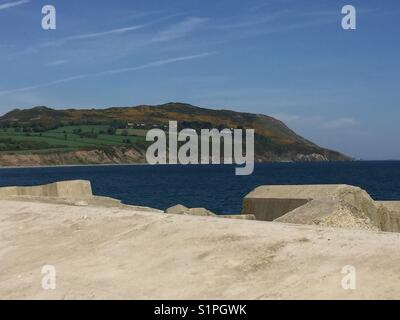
x: 76, y: 189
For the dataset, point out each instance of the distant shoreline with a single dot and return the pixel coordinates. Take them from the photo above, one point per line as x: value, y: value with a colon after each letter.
x: 75, y: 165
x: 147, y: 164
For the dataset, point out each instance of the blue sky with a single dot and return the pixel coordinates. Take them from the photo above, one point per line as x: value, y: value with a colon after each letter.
x: 286, y: 58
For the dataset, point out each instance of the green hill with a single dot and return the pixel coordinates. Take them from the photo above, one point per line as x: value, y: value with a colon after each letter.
x: 115, y: 132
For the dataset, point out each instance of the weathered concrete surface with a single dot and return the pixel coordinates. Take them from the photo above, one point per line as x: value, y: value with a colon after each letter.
x: 329, y: 213
x: 200, y: 212
x: 177, y: 209
x: 296, y: 191
x: 114, y: 253
x: 181, y: 209
x: 238, y: 216
x: 390, y: 205
x: 77, y: 189
x: 341, y: 206
x: 269, y: 209
x: 74, y: 192
x: 390, y: 213
x: 268, y: 203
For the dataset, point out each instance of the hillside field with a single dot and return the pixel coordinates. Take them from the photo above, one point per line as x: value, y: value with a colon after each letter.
x: 65, y: 138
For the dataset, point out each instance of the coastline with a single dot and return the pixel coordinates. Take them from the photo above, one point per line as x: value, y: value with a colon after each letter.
x: 75, y: 165
x: 200, y: 164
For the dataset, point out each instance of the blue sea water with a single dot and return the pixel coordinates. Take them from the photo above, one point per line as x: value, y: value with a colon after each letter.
x: 211, y: 186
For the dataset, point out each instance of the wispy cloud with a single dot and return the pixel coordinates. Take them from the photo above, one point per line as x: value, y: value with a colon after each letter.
x: 8, y: 5
x: 259, y: 6
x: 267, y: 3
x: 268, y: 23
x: 253, y: 21
x: 94, y: 35
x: 86, y: 36
x: 156, y: 64
x: 153, y: 64
x: 56, y: 63
x: 180, y: 29
x: 105, y: 33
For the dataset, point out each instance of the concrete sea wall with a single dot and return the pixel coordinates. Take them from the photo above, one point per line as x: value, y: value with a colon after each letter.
x: 77, y: 189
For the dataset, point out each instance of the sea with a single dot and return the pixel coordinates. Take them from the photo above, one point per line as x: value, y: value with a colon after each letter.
x: 215, y: 187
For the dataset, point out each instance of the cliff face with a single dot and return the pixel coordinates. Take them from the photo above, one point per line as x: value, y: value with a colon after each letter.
x: 43, y: 128
x: 84, y: 157
x: 125, y: 156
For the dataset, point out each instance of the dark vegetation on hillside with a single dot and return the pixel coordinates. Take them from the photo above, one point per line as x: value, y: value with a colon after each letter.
x: 42, y: 128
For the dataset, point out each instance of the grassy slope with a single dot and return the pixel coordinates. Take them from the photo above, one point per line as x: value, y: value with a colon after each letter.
x: 273, y: 138
x: 63, y: 139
